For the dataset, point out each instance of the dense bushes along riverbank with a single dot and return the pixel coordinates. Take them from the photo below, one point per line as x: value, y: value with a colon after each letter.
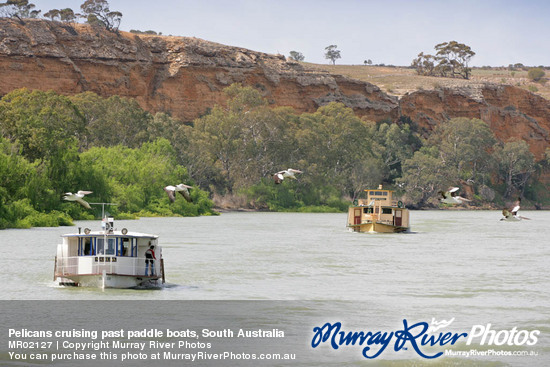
x: 51, y: 144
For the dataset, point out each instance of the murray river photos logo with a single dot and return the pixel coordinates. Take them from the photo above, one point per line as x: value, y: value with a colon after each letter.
x: 417, y: 337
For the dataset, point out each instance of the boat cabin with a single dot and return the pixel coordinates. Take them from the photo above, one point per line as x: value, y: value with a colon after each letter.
x: 118, y: 256
x: 379, y: 212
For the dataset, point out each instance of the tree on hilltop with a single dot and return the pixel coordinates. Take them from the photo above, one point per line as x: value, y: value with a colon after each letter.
x: 297, y: 56
x: 332, y: 53
x: 19, y: 9
x: 451, y: 60
x: 66, y: 15
x: 454, y: 57
x: 52, y: 14
x: 97, y: 12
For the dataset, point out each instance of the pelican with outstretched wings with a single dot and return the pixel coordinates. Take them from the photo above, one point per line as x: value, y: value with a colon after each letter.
x: 450, y: 196
x: 78, y: 197
x: 183, y: 189
x: 288, y: 173
x: 511, y: 214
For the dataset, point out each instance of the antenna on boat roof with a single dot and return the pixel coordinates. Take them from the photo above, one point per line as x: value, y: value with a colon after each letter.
x: 102, y: 207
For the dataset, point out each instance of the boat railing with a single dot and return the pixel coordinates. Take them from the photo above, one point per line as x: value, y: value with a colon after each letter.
x: 365, y: 202
x: 97, y: 264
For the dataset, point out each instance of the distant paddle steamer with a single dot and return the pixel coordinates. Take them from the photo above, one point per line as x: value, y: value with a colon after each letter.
x: 379, y: 212
x: 109, y: 258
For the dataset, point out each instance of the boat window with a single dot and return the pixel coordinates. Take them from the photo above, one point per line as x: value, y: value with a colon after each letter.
x: 371, y: 193
x: 100, y: 243
x: 124, y: 245
x: 367, y: 210
x: 87, y: 246
x: 111, y: 245
x: 385, y: 193
x: 386, y: 210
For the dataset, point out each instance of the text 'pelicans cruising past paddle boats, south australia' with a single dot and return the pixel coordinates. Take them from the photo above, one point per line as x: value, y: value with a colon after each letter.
x: 379, y: 212
x: 109, y: 258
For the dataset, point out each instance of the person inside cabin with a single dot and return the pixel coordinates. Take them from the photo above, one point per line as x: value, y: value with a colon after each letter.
x: 150, y: 259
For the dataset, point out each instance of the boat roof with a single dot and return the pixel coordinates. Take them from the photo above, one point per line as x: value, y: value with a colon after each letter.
x: 111, y: 234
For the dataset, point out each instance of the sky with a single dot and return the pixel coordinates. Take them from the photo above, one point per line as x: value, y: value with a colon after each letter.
x: 391, y: 32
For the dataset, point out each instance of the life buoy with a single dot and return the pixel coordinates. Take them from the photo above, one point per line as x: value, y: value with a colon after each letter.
x: 355, y: 202
x: 400, y: 204
x: 124, y: 231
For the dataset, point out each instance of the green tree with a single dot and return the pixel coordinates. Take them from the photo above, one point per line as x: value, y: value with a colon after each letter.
x: 43, y: 123
x: 464, y: 146
x: 423, y: 175
x: 236, y: 146
x: 297, y: 56
x: 67, y: 15
x: 396, y: 143
x: 52, y: 14
x: 333, y: 143
x: 453, y: 58
x: 112, y: 121
x: 19, y: 9
x: 136, y: 178
x: 424, y: 64
x: 535, y: 74
x: 516, y: 164
x: 98, y: 12
x: 332, y: 53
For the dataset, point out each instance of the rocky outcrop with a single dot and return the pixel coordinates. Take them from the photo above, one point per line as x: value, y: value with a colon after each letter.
x: 180, y: 75
x: 512, y: 113
x: 186, y: 76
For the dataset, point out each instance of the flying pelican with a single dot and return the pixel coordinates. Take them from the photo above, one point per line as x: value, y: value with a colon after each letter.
x: 182, y: 189
x: 511, y: 215
x: 281, y: 175
x: 450, y: 196
x: 78, y: 198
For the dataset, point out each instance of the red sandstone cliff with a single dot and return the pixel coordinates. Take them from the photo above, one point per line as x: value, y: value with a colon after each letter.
x: 186, y: 76
x: 180, y: 75
x: 512, y: 113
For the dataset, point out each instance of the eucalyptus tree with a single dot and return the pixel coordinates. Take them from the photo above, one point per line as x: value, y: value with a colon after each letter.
x: 465, y: 147
x: 332, y: 53
x: 454, y: 57
x: 297, y: 56
x: 52, y: 14
x: 333, y: 143
x: 516, y: 164
x: 18, y: 9
x: 423, y: 175
x: 43, y: 123
x: 98, y: 12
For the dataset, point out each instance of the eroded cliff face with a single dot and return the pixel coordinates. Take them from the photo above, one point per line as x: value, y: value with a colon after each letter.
x: 186, y: 76
x: 180, y: 75
x: 512, y: 113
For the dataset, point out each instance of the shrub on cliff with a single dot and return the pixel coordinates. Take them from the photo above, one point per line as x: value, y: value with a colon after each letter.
x: 536, y: 74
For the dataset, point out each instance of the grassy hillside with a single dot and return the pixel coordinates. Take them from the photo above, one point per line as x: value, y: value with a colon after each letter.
x: 400, y: 80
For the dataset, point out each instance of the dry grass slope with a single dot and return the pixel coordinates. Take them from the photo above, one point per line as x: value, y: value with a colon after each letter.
x: 399, y: 81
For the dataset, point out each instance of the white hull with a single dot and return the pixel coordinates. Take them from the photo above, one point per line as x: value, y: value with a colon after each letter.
x: 109, y: 281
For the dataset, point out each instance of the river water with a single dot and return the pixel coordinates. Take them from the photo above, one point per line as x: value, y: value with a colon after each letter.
x: 465, y: 265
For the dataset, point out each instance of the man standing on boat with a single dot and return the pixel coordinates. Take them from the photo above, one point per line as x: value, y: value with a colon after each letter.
x: 149, y: 259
